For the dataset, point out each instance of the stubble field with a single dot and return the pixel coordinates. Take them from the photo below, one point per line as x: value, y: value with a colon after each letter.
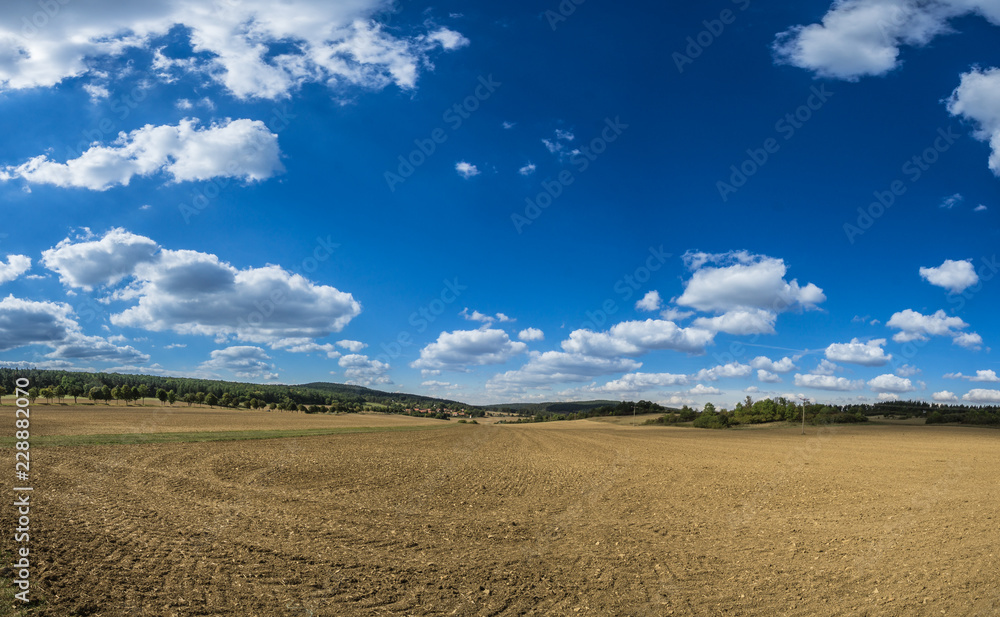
x: 563, y: 518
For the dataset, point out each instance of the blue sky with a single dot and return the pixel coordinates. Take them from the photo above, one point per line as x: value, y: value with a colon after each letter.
x: 526, y: 201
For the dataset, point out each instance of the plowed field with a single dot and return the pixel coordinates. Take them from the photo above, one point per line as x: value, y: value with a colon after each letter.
x: 564, y: 518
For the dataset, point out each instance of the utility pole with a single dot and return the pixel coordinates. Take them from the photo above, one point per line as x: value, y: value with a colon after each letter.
x: 633, y: 413
x: 804, y: 401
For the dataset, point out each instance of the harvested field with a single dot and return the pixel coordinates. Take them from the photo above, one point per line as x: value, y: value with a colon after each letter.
x: 561, y: 518
x: 120, y: 419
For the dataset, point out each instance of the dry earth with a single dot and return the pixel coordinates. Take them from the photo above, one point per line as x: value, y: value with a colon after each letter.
x: 563, y: 518
x: 179, y: 418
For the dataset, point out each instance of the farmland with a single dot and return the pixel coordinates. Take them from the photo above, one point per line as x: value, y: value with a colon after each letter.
x: 582, y: 517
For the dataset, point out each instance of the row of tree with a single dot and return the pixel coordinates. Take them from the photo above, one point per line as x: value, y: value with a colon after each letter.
x: 123, y: 388
x: 782, y: 409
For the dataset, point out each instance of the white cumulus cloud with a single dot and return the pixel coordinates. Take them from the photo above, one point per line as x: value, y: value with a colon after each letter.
x: 945, y: 396
x: 633, y: 338
x: 243, y: 361
x: 650, y: 302
x: 254, y: 49
x: 859, y: 38
x: 244, y: 149
x: 915, y: 326
x: 16, y: 266
x: 463, y: 348
x: 827, y: 382
x: 955, y: 276
x: 980, y: 395
x: 856, y: 352
x: 531, y: 334
x: 740, y: 280
x: 977, y: 99
x: 890, y: 383
x: 466, y: 170
x: 360, y: 370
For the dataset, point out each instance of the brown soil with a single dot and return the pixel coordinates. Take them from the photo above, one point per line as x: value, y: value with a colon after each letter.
x: 553, y: 519
x: 114, y: 419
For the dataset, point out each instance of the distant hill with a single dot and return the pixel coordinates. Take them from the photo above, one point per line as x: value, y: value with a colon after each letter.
x: 370, y: 395
x: 546, y: 408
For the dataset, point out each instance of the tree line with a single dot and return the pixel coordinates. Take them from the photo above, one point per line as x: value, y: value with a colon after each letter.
x: 125, y: 388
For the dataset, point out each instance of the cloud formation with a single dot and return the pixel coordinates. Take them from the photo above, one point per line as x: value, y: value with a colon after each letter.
x: 859, y: 38
x: 955, y: 276
x: 244, y: 149
x: 252, y: 48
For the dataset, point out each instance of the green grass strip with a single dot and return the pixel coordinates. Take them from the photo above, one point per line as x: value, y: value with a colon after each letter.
x: 145, y: 438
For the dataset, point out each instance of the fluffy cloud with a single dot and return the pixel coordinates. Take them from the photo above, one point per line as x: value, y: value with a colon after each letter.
x: 650, y: 302
x: 254, y: 49
x: 189, y: 292
x: 914, y: 326
x: 26, y: 322
x: 979, y: 395
x: 825, y: 367
x: 16, y: 266
x: 733, y: 369
x: 633, y: 338
x: 741, y: 281
x: 531, y: 334
x: 944, y: 396
x: 986, y: 375
x: 363, y: 371
x: 462, y: 348
x: 352, y: 346
x: 856, y: 352
x: 827, y: 382
x: 243, y: 361
x: 639, y: 382
x: 244, y: 149
x: 969, y: 340
x: 766, y: 376
x: 863, y: 37
x: 700, y: 390
x: 305, y: 345
x: 543, y: 369
x: 784, y: 365
x: 527, y: 170
x: 955, y: 276
x: 890, y: 383
x: 751, y: 321
x: 99, y: 262
x: 466, y: 170
x: 977, y: 99
x: 483, y: 318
